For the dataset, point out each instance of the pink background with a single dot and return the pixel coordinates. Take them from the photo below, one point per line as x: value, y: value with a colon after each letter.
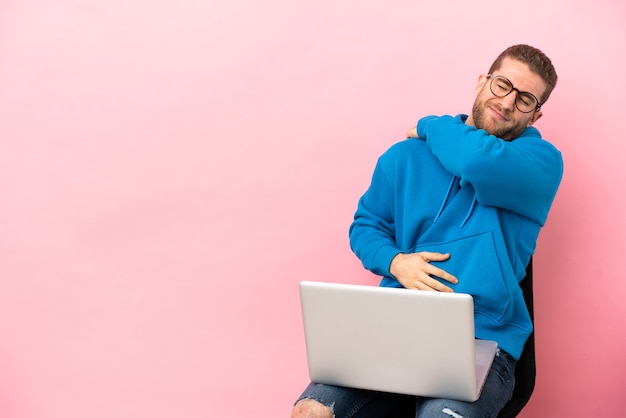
x: 170, y: 170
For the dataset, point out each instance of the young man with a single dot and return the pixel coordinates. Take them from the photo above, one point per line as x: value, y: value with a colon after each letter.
x: 457, y: 207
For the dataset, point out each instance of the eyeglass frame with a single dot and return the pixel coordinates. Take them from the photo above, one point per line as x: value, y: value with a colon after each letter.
x: 494, y: 76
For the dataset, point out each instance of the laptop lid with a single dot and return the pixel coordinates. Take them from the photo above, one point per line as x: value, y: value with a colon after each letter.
x: 394, y: 340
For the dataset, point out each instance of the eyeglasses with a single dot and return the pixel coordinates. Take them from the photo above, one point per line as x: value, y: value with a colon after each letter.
x: 501, y: 87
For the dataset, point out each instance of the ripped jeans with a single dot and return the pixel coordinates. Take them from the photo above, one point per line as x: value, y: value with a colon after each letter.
x: 357, y: 403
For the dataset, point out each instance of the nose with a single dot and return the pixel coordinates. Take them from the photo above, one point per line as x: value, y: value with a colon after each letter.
x: 508, y: 101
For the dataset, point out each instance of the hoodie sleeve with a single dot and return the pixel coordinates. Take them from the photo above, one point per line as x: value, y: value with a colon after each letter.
x: 372, y: 233
x: 522, y: 175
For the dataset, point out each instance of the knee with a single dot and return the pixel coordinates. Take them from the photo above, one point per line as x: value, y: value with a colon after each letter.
x: 310, y: 408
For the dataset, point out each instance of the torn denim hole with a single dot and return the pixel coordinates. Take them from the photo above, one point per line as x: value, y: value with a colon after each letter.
x: 312, y: 398
x: 450, y: 412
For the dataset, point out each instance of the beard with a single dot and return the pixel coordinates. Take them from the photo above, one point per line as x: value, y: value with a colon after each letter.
x: 508, y: 130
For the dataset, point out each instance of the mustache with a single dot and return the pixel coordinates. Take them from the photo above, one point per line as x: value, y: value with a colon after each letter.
x: 499, y: 109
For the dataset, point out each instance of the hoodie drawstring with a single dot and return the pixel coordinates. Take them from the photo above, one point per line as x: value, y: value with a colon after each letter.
x: 445, y: 200
x: 469, y: 212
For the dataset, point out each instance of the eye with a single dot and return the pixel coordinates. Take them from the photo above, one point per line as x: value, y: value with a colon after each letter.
x: 502, y: 85
x: 527, y: 100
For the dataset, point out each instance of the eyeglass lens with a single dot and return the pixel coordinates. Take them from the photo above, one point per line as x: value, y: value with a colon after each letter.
x: 501, y: 87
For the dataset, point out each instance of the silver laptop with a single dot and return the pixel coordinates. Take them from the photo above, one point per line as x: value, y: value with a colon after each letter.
x: 394, y: 340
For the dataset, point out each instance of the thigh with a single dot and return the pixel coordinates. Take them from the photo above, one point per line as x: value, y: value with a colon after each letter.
x: 496, y: 392
x: 357, y: 403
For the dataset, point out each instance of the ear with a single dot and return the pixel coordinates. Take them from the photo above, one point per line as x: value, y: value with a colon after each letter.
x: 538, y: 114
x: 482, y: 79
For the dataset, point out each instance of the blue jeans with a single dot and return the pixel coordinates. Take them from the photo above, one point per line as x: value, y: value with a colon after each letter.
x: 357, y: 403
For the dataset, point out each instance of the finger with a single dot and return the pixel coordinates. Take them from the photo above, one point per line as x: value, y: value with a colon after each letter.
x: 428, y: 283
x: 435, y: 287
x: 440, y: 287
x: 430, y: 256
x: 423, y: 286
x: 442, y: 274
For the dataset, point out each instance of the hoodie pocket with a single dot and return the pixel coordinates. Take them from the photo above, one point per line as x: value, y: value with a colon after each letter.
x: 474, y: 261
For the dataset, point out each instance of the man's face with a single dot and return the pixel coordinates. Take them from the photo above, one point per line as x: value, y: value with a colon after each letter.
x: 498, y: 115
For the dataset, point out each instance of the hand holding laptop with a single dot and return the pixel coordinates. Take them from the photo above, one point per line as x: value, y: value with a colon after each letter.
x: 414, y: 271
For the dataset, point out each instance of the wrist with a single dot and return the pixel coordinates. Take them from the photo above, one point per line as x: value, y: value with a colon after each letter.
x: 422, y: 126
x: 395, y: 266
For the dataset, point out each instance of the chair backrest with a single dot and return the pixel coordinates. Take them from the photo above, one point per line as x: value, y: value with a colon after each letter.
x: 525, y: 369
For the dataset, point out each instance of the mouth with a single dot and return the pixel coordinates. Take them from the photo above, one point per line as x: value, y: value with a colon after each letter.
x: 498, y: 114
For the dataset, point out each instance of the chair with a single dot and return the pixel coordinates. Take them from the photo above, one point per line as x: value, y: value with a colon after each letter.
x: 525, y: 369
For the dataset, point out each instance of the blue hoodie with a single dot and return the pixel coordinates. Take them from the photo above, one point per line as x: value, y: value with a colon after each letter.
x: 458, y: 190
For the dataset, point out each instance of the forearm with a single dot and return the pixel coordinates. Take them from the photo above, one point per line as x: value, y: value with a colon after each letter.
x: 521, y: 175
